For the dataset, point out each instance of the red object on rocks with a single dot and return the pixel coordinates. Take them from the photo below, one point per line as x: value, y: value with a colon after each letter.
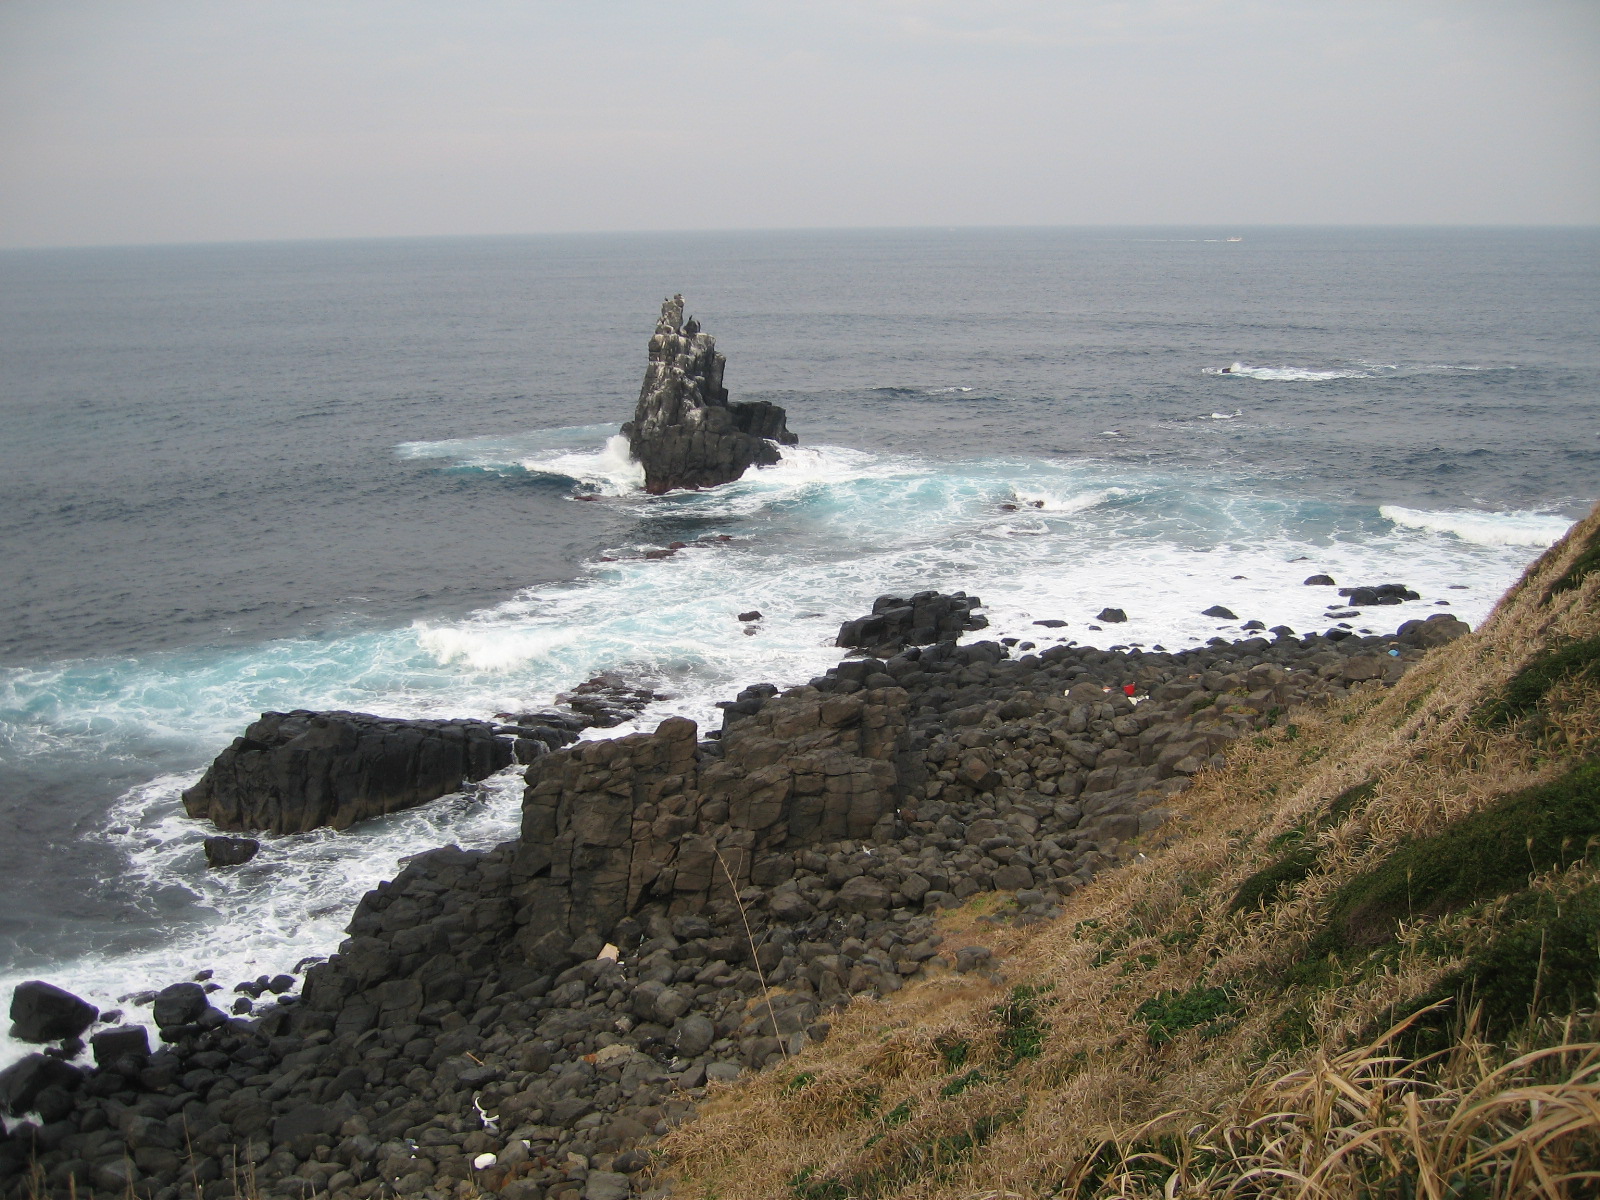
x: 1127, y: 689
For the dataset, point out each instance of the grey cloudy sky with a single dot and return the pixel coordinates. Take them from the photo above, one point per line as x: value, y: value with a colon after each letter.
x: 214, y: 120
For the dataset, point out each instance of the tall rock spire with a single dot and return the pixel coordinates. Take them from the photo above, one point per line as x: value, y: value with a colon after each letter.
x: 684, y: 431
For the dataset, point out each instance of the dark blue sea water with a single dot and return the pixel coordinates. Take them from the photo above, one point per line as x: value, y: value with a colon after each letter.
x: 347, y: 474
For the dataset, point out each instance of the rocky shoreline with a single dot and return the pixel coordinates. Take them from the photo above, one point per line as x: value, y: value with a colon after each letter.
x: 678, y: 908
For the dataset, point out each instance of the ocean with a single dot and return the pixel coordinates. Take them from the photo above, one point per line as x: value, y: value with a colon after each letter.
x: 386, y: 476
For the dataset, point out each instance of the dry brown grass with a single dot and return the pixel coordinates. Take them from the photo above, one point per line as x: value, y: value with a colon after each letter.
x: 1370, y: 1123
x: 1233, y: 1107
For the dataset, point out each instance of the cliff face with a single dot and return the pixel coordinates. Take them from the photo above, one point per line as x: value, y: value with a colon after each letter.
x: 684, y: 431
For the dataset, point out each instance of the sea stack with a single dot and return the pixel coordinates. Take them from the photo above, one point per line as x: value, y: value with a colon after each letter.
x: 684, y: 432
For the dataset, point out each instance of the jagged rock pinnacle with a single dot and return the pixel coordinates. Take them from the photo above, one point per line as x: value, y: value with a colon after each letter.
x: 684, y: 431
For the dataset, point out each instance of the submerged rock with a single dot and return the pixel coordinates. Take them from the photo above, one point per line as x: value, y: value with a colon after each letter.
x: 296, y: 771
x: 684, y: 431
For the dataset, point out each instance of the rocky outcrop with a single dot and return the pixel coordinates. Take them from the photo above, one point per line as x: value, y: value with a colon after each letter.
x: 608, y: 825
x: 476, y: 1033
x: 684, y: 431
x: 296, y: 771
x: 919, y: 620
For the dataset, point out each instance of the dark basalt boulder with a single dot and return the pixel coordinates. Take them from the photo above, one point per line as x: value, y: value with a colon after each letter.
x: 42, y: 1012
x: 179, y: 1004
x: 296, y: 771
x: 230, y: 851
x: 920, y: 620
x: 1437, y: 630
x: 21, y: 1083
x: 1381, y: 593
x: 684, y: 431
x: 125, y: 1042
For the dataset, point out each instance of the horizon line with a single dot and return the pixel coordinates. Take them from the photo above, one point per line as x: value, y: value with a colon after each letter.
x: 737, y: 231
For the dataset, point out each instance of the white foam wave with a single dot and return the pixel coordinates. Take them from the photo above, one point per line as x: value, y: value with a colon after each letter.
x: 568, y: 453
x: 292, y: 901
x: 611, y: 471
x: 1484, y: 528
x: 1053, y: 502
x: 1288, y: 374
x: 1358, y: 369
x: 804, y: 465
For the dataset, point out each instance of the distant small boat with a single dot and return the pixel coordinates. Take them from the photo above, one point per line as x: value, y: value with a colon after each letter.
x: 1237, y: 239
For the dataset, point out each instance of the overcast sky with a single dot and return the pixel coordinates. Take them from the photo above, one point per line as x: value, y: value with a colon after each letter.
x: 130, y: 121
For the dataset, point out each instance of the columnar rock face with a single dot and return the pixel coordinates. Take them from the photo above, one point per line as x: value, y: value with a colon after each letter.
x: 684, y: 431
x: 609, y: 825
x: 296, y: 771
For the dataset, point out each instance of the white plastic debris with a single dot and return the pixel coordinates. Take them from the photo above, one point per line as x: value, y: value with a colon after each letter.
x: 491, y: 1123
x: 483, y: 1162
x: 608, y: 952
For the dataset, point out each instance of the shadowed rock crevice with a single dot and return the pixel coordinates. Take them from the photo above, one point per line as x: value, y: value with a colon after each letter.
x: 684, y: 431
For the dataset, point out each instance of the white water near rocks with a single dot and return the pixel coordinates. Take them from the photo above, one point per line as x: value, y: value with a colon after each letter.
x: 977, y: 473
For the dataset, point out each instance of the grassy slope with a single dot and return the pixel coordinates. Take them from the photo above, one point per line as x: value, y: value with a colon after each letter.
x: 1222, y: 1010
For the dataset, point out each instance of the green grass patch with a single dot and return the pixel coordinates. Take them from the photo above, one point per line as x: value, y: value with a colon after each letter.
x: 1547, y: 962
x: 1022, y: 1025
x: 962, y: 1083
x: 802, y: 1080
x: 806, y: 1184
x: 1586, y: 563
x: 1521, y: 696
x: 1168, y: 1014
x: 899, y: 1114
x: 954, y: 1053
x: 1542, y: 962
x: 1487, y: 854
x: 1273, y: 880
x: 1276, y: 878
x: 933, y: 1157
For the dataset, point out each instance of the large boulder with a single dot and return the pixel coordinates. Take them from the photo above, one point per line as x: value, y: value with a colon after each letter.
x: 1437, y: 630
x: 299, y: 770
x: 179, y: 1004
x: 21, y: 1083
x: 42, y: 1012
x: 1378, y: 593
x: 684, y: 431
x: 222, y: 851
